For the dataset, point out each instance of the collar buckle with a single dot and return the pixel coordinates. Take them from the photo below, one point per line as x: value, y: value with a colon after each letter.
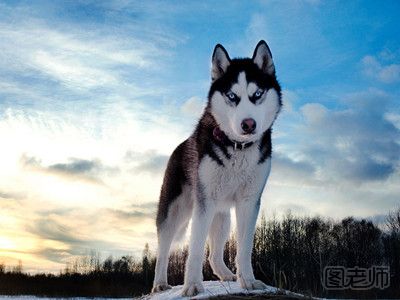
x: 237, y: 145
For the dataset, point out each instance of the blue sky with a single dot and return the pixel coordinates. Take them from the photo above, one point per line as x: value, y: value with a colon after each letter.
x: 94, y: 96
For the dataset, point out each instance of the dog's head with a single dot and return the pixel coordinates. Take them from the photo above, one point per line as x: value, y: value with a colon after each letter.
x: 245, y: 97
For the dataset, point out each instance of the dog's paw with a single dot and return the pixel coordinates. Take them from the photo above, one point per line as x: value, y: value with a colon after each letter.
x: 252, y: 284
x: 192, y: 289
x: 160, y: 287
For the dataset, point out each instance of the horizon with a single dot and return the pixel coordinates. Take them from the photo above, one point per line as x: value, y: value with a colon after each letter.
x: 94, y: 97
x: 381, y: 223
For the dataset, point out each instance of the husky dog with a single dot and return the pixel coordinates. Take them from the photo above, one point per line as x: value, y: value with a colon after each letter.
x: 225, y: 163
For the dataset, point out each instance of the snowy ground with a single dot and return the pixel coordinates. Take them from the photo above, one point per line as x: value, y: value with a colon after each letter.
x: 212, y: 288
x: 215, y: 288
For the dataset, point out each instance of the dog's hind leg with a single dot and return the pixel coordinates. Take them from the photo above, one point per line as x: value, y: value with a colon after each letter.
x: 175, y: 223
x: 218, y: 234
x: 165, y: 237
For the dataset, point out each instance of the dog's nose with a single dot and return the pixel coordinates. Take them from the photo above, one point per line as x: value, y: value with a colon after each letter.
x: 248, y: 125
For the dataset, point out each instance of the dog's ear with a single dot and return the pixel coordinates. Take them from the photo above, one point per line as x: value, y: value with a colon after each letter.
x: 262, y: 57
x: 220, y: 62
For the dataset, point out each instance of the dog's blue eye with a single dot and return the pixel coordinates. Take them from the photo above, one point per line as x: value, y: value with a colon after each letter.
x: 259, y: 93
x: 231, y: 96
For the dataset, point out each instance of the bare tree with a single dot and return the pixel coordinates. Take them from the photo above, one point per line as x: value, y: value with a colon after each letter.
x: 393, y: 221
x: 18, y: 268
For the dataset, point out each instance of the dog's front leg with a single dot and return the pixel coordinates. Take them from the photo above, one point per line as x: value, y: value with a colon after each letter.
x: 202, y: 216
x: 246, y: 217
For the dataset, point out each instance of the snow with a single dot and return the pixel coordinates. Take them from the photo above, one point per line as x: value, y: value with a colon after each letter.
x: 213, y: 288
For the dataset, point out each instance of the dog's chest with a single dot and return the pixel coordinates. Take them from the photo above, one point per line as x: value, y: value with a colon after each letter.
x: 239, y: 173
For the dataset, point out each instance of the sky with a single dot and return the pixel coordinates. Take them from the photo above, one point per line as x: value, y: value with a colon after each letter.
x: 95, y: 95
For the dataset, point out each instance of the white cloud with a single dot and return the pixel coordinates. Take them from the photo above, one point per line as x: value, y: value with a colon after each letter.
x: 81, y: 57
x: 373, y: 68
x: 72, y: 72
x: 72, y: 108
x: 289, y: 98
x: 314, y: 112
x: 79, y: 169
x: 355, y: 144
x: 193, y: 107
x: 390, y: 73
x: 394, y: 118
x: 337, y: 161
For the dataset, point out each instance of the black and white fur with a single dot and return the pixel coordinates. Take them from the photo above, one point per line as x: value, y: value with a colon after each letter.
x: 218, y: 167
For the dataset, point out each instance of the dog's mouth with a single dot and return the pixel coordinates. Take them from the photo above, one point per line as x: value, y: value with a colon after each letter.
x: 246, y: 137
x: 248, y: 134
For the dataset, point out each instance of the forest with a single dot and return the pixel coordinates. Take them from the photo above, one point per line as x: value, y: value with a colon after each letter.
x: 290, y: 253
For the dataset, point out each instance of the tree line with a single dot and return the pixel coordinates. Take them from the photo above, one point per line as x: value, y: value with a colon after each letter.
x: 290, y: 253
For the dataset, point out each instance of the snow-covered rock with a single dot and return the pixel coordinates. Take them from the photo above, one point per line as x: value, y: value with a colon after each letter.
x: 213, y: 288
